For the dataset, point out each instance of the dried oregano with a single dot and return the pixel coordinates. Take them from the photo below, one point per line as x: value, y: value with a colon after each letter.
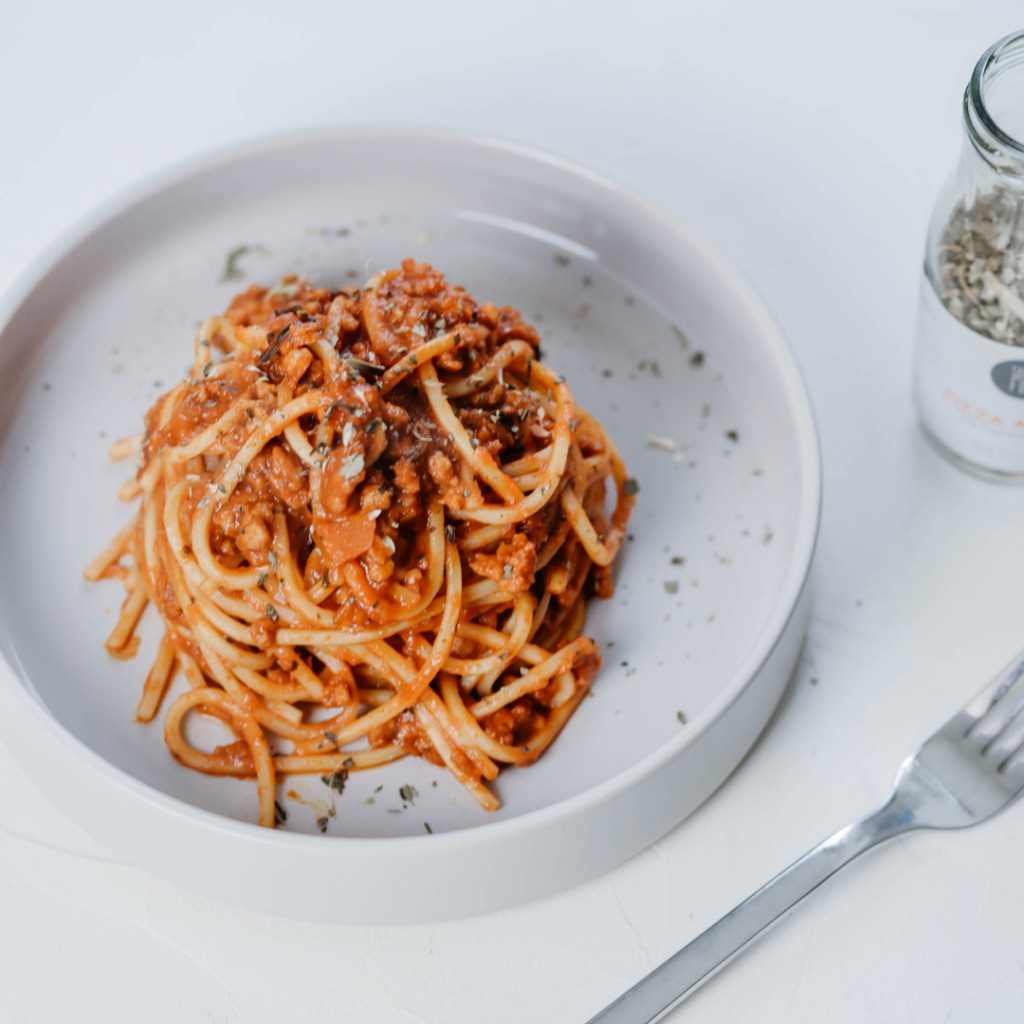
x: 981, y: 265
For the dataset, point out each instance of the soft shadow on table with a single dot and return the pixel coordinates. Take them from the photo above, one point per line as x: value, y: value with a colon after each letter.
x: 799, y: 673
x: 788, y: 694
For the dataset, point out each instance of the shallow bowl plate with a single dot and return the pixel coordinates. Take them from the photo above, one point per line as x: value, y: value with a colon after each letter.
x: 658, y: 339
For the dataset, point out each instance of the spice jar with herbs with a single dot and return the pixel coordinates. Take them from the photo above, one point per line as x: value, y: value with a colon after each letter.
x: 969, y: 358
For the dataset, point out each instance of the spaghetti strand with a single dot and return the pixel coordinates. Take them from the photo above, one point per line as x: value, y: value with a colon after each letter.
x: 370, y: 522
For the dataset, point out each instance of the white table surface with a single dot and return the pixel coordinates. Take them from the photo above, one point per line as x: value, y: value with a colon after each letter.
x: 806, y: 140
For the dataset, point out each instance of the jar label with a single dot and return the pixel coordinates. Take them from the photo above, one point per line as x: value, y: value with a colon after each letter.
x: 969, y: 389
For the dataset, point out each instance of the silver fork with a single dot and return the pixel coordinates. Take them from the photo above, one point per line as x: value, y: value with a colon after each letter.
x: 969, y: 770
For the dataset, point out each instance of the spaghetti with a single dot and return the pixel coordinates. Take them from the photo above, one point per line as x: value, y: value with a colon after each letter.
x: 370, y: 528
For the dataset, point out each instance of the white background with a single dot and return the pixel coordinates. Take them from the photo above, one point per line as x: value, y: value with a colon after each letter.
x: 806, y: 141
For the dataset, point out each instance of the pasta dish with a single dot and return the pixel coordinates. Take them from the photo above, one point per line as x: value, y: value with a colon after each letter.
x: 370, y: 522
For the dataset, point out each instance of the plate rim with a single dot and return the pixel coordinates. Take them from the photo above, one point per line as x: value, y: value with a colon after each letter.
x: 767, y: 640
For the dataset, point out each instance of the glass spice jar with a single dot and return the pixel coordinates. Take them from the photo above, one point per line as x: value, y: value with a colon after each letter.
x: 969, y: 356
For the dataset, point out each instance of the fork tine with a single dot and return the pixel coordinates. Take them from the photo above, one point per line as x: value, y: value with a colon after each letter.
x: 1012, y: 769
x: 1001, y: 748
x: 998, y: 717
x: 987, y: 714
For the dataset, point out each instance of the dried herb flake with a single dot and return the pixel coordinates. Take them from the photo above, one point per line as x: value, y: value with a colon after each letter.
x: 683, y: 340
x: 362, y: 366
x: 271, y: 349
x: 336, y: 780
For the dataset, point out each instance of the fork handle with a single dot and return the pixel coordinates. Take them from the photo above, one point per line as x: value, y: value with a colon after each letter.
x: 668, y: 985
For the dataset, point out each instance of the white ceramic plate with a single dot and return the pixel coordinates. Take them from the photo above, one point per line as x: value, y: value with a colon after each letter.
x: 657, y: 339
